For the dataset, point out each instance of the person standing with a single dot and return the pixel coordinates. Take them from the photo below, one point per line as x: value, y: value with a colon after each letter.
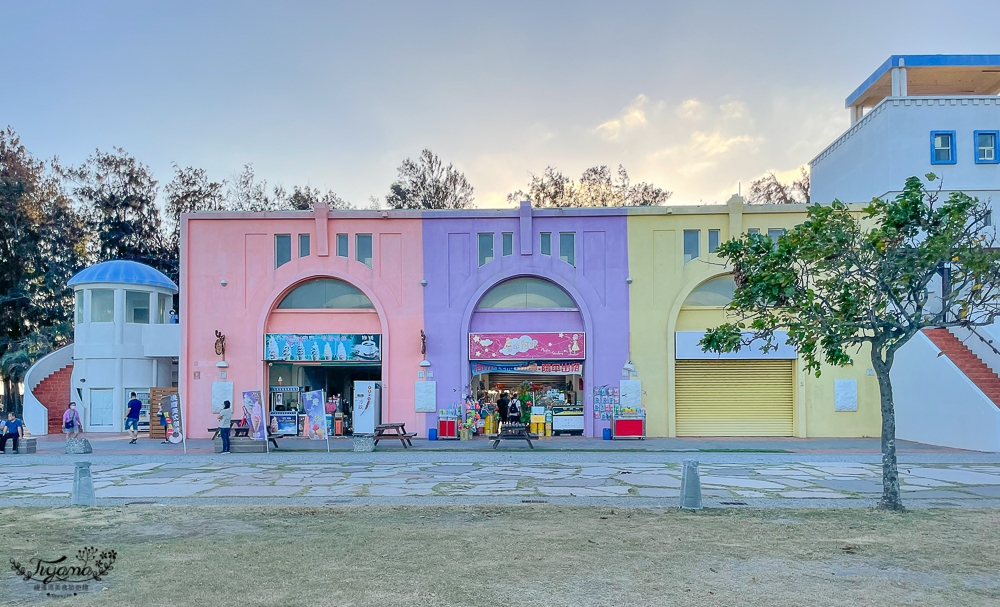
x: 132, y: 418
x: 502, y: 404
x: 514, y: 410
x: 225, y: 421
x: 72, y: 426
x: 14, y: 430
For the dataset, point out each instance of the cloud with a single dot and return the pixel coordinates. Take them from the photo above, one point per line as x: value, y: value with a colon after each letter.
x: 632, y: 116
x: 734, y: 110
x: 691, y: 109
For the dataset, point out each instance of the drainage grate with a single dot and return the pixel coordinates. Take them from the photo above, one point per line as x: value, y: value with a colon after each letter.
x: 534, y: 501
x: 732, y: 503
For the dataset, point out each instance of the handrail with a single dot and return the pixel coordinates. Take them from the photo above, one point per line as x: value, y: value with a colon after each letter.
x: 988, y: 342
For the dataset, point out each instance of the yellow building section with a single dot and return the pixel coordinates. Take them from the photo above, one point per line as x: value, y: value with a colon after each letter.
x: 663, y: 277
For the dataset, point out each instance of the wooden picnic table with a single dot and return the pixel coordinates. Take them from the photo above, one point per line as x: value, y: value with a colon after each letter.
x: 513, y: 432
x: 390, y: 431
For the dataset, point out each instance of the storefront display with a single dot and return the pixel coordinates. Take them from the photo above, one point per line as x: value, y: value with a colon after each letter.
x: 323, y: 347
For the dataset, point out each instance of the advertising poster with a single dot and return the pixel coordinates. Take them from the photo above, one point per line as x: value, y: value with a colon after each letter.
x: 333, y: 347
x: 285, y: 423
x: 532, y: 368
x: 315, y: 422
x: 526, y: 346
x: 253, y: 412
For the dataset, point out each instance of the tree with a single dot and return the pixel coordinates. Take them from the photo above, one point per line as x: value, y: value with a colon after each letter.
x: 189, y: 191
x: 768, y: 190
x: 119, y: 196
x: 428, y: 184
x: 596, y: 188
x: 305, y: 198
x: 41, y: 247
x: 245, y: 193
x: 839, y: 282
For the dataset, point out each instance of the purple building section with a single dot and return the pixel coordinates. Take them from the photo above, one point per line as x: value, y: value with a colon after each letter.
x: 456, y: 283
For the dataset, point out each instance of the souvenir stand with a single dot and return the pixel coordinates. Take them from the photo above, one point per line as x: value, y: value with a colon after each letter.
x: 628, y: 414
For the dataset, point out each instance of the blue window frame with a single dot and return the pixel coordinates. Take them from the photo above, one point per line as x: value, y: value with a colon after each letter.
x: 987, y: 146
x: 943, y: 147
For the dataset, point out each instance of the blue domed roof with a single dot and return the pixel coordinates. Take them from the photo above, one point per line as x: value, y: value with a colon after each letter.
x: 122, y: 271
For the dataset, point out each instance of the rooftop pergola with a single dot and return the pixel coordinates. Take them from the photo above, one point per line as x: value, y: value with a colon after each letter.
x: 926, y: 75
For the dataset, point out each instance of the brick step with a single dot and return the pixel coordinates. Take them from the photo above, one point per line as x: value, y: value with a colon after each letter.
x: 967, y: 362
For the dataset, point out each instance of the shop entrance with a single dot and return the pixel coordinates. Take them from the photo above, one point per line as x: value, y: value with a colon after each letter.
x: 288, y: 381
x: 552, y: 404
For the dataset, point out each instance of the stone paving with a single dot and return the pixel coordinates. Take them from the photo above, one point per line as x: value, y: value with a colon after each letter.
x: 781, y: 482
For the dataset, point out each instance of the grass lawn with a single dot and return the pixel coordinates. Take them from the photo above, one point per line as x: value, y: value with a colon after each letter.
x: 525, y: 555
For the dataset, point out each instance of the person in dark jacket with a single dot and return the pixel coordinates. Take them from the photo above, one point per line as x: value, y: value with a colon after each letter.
x: 502, y: 404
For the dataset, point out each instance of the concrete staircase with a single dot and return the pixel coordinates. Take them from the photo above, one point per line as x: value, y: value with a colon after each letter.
x: 971, y: 365
x: 54, y: 393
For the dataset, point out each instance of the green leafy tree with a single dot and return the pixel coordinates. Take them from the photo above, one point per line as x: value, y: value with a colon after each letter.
x: 119, y: 196
x: 427, y: 183
x: 41, y: 247
x: 305, y: 198
x: 597, y: 187
x: 843, y: 280
x: 189, y: 191
x: 768, y: 190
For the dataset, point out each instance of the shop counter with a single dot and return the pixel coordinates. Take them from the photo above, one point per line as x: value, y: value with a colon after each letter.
x: 628, y: 427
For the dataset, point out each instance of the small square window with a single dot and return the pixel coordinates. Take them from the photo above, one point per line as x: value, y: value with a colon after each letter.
x: 79, y: 307
x: 775, y: 233
x: 303, y: 245
x: 545, y: 240
x: 102, y: 305
x: 713, y: 240
x: 988, y: 219
x: 692, y: 244
x: 342, y: 245
x: 282, y: 249
x: 987, y: 147
x: 753, y: 231
x: 508, y: 243
x: 485, y: 249
x: 567, y: 247
x: 943, y: 147
x: 363, y: 248
x: 137, y: 307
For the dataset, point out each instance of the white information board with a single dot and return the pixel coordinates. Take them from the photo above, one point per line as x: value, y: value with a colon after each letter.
x: 845, y: 395
x: 425, y: 396
x: 630, y: 394
x: 221, y: 391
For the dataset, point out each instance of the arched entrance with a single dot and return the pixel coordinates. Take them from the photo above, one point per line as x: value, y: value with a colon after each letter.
x: 326, y: 333
x: 527, y: 337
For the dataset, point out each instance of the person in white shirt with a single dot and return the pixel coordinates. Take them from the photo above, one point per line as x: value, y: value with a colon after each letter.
x: 225, y: 418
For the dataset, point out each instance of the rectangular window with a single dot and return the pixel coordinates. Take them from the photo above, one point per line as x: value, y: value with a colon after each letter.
x: 363, y: 248
x: 545, y: 240
x: 163, y: 304
x: 692, y: 244
x: 943, y: 147
x: 137, y: 307
x: 78, y: 305
x: 303, y: 245
x: 567, y: 247
x: 282, y: 249
x: 988, y: 220
x: 987, y: 147
x: 342, y: 245
x: 508, y: 243
x: 775, y: 233
x: 102, y: 305
x: 753, y: 231
x: 485, y: 249
x: 102, y: 406
x: 713, y: 240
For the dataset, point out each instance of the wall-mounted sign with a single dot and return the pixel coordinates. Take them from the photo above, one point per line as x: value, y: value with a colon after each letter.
x: 526, y: 346
x: 331, y: 347
x: 533, y: 368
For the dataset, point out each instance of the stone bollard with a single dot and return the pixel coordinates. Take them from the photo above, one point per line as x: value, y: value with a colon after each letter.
x: 78, y: 445
x: 690, y: 486
x: 83, y: 486
x: 364, y: 443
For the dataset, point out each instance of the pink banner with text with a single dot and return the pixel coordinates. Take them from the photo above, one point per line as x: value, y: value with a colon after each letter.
x: 526, y: 346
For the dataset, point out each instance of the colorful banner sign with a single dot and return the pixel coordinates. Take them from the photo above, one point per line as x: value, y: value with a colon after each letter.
x: 526, y: 346
x: 315, y: 422
x: 533, y: 368
x: 332, y: 347
x: 253, y: 412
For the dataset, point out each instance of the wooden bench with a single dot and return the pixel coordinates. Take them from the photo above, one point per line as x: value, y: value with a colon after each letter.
x: 382, y: 432
x: 242, y: 432
x: 513, y: 432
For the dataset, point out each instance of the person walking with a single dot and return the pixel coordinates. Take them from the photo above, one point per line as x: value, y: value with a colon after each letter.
x: 13, y: 429
x: 132, y: 418
x: 514, y: 410
x: 225, y: 420
x: 72, y: 426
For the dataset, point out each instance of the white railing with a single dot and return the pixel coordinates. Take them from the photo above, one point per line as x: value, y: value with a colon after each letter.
x: 983, y: 342
x: 36, y: 415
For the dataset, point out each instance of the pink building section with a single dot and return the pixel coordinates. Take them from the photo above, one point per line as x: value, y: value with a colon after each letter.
x: 229, y: 283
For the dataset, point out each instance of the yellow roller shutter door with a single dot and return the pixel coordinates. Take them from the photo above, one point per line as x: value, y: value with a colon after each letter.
x: 734, y: 397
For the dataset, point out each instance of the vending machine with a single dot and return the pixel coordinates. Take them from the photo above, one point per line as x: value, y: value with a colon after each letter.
x: 367, y: 409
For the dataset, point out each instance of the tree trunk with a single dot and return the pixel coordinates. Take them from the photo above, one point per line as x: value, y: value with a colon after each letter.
x: 890, y: 472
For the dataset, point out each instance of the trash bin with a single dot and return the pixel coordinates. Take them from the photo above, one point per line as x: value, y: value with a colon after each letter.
x: 432, y: 434
x: 607, y: 434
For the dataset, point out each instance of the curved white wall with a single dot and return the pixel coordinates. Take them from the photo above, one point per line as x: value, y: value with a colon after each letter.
x: 36, y: 415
